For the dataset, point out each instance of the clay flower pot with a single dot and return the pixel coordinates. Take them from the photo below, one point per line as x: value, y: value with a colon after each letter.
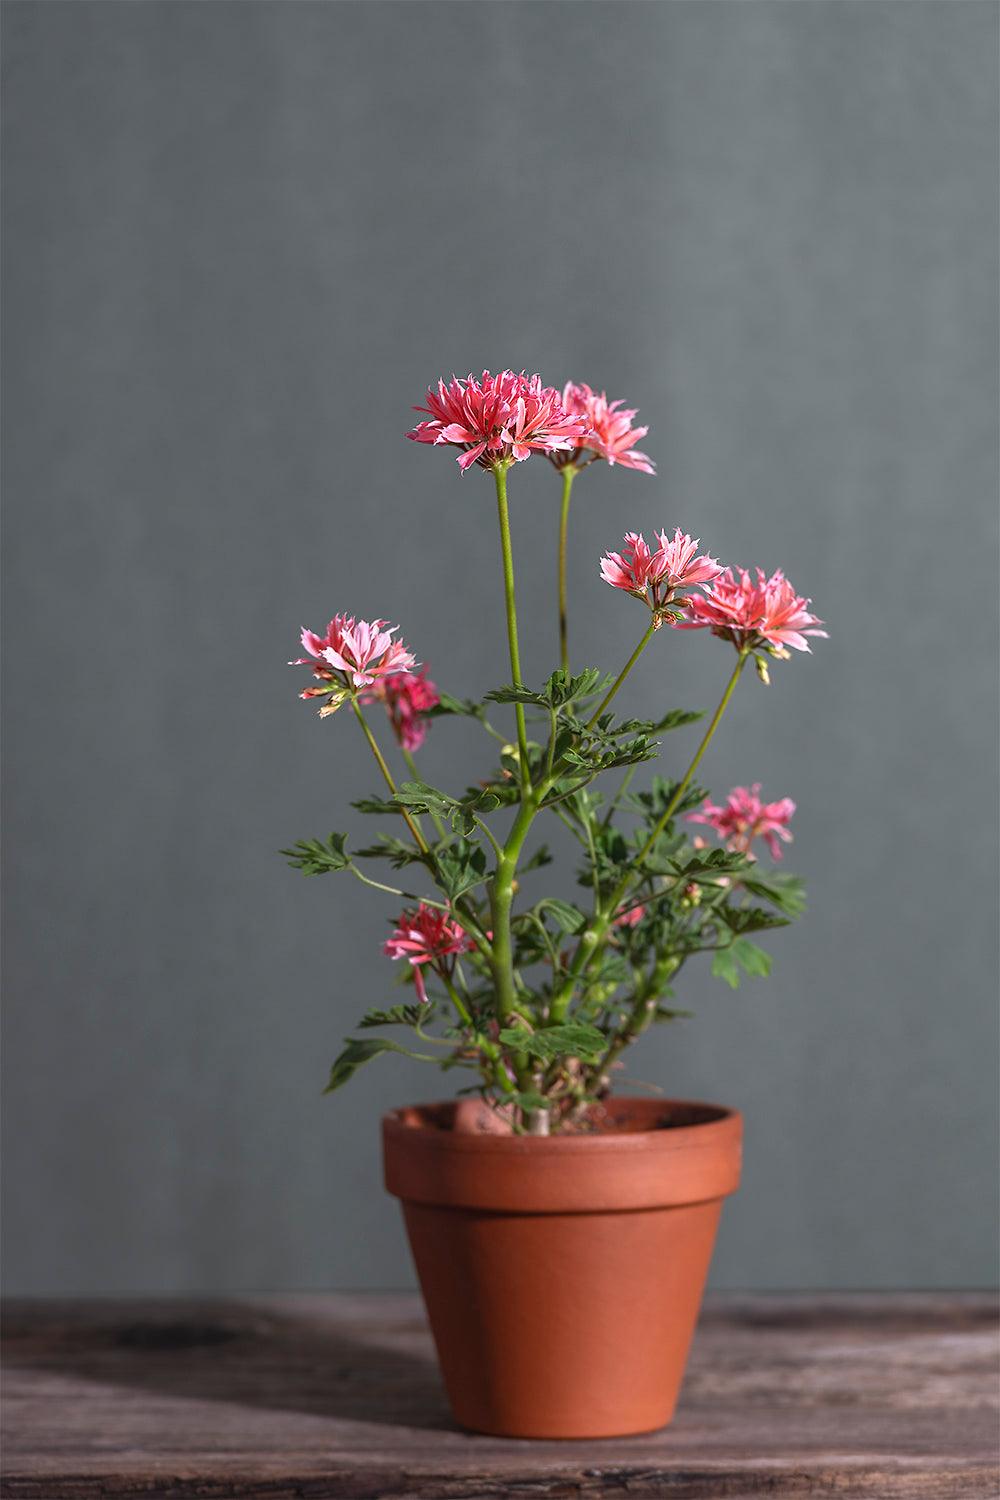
x: 563, y: 1275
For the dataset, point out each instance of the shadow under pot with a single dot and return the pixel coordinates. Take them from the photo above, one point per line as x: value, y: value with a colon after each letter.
x: 563, y: 1275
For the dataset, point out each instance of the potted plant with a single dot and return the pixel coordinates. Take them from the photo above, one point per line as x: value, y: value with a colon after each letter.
x: 561, y: 1232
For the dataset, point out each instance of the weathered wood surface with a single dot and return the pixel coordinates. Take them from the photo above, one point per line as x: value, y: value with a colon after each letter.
x: 866, y: 1395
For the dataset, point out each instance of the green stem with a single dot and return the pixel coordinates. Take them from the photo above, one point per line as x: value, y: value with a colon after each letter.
x: 392, y: 890
x: 640, y: 1016
x: 553, y: 772
x: 568, y: 474
x: 593, y: 939
x: 626, y: 669
x: 457, y: 1000
x: 411, y: 766
x: 500, y: 475
x: 387, y: 774
x: 683, y: 785
x: 625, y: 783
x: 489, y: 834
x: 459, y: 907
x: 501, y: 899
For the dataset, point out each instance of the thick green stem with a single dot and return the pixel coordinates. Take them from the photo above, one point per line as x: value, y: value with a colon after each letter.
x: 626, y: 669
x: 500, y: 475
x: 568, y: 474
x: 592, y: 941
x: 501, y: 900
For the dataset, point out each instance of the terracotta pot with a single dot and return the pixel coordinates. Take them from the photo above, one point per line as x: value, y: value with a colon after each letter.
x: 563, y: 1275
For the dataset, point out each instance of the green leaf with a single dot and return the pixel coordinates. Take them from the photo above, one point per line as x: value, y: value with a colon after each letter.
x: 562, y: 688
x: 358, y: 1051
x: 397, y: 851
x: 676, y: 719
x: 319, y: 856
x: 572, y: 1039
x: 397, y: 1015
x: 754, y: 960
x: 786, y: 892
x: 512, y: 694
x: 725, y: 967
x: 419, y: 798
x: 376, y: 805
x: 460, y: 866
x: 528, y: 1101
x: 750, y: 918
x: 567, y: 918
x: 446, y: 705
x: 541, y: 856
x: 740, y: 953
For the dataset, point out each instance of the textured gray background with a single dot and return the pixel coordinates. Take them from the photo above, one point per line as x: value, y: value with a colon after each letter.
x: 240, y: 242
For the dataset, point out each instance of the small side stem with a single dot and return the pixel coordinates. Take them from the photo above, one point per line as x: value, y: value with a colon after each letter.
x: 625, y: 784
x: 568, y: 475
x: 419, y: 839
x: 685, y: 782
x: 626, y: 669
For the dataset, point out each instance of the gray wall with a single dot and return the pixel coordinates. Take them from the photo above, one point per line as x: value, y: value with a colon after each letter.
x: 240, y: 241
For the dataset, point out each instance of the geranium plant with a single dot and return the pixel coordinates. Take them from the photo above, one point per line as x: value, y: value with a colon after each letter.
x: 540, y: 1000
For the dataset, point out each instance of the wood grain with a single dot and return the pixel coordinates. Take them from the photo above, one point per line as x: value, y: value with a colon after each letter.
x: 338, y: 1396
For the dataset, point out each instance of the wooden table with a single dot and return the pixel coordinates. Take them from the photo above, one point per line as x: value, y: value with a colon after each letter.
x: 338, y: 1395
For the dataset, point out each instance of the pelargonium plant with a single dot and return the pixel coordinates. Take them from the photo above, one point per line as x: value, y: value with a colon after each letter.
x: 540, y: 1000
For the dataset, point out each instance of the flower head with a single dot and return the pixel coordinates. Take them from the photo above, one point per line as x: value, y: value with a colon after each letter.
x: 498, y: 418
x: 745, y: 817
x: 630, y: 916
x: 658, y: 577
x: 408, y: 698
x: 763, y: 612
x: 362, y: 652
x: 612, y: 436
x: 427, y: 935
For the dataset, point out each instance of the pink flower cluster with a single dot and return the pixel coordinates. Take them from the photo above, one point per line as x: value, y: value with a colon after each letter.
x: 611, y: 435
x: 754, y: 612
x: 408, y: 699
x: 744, y: 817
x: 656, y: 577
x: 427, y: 935
x: 363, y: 651
x: 498, y: 418
x: 363, y: 655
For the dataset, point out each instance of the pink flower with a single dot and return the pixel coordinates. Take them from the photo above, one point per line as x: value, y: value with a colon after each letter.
x: 630, y: 916
x: 657, y: 577
x: 745, y: 817
x: 767, y: 612
x: 427, y: 936
x: 612, y: 436
x: 498, y: 418
x: 364, y: 652
x: 408, y: 697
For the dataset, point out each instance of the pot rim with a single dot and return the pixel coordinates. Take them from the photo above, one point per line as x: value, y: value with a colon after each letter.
x: 609, y: 1172
x: 409, y: 1121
